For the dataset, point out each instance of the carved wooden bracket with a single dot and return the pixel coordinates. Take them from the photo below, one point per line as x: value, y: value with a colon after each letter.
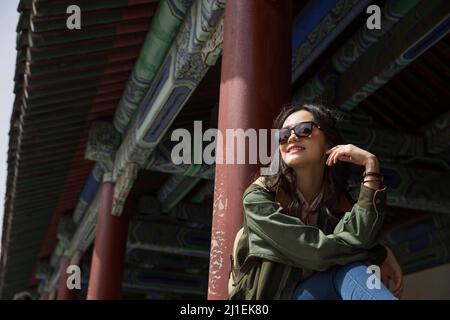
x: 102, y: 144
x: 66, y: 230
x: 123, y: 186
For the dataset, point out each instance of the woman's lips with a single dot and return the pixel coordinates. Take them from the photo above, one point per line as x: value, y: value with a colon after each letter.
x: 294, y: 149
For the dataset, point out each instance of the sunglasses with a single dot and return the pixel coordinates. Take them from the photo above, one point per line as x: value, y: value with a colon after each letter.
x: 303, y: 129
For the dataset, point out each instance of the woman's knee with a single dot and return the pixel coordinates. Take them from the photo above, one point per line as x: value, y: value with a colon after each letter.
x: 355, y: 280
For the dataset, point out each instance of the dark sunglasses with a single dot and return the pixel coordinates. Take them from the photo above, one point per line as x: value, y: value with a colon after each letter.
x: 303, y: 129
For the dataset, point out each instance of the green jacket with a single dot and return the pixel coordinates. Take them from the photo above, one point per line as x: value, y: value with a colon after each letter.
x: 275, y: 246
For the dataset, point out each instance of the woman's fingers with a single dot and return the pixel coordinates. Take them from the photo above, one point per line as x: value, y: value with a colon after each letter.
x: 398, y: 285
x: 385, y: 280
x: 398, y: 281
x: 398, y: 292
x: 333, y: 158
x: 335, y: 153
x: 329, y: 157
x: 330, y: 160
x: 331, y: 150
x: 338, y: 154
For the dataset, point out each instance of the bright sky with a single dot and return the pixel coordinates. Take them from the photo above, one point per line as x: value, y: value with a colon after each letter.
x: 8, y: 22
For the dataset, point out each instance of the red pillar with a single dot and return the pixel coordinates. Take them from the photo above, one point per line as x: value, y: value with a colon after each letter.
x: 255, y: 83
x: 105, y: 280
x: 64, y: 293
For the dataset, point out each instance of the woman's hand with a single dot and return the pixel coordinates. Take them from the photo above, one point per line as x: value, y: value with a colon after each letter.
x: 358, y: 156
x: 390, y: 270
x: 350, y: 153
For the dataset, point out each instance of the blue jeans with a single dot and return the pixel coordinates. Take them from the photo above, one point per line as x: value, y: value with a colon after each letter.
x: 347, y: 282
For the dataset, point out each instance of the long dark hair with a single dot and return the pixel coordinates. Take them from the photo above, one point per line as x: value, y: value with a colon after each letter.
x: 336, y: 176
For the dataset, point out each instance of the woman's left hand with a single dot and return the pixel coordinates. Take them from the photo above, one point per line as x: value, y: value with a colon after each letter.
x: 390, y: 270
x: 349, y: 153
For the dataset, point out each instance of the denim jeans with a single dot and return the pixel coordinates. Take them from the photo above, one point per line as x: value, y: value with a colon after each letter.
x: 348, y: 282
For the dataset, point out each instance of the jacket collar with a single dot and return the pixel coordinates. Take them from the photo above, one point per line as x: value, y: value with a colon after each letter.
x: 343, y: 206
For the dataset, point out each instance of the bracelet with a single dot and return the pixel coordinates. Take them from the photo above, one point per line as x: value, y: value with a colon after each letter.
x: 373, y: 174
x: 373, y: 180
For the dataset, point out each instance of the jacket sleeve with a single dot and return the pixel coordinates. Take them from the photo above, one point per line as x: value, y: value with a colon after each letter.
x: 308, y: 247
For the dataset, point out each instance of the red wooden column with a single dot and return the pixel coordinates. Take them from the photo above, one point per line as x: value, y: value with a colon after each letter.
x: 64, y: 293
x: 105, y: 279
x: 255, y: 83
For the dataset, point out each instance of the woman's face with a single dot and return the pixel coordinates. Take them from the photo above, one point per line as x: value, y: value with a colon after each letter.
x: 303, y: 151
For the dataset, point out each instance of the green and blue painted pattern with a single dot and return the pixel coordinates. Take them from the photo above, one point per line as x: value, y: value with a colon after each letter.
x: 423, y: 42
x: 421, y: 245
x: 163, y: 29
x: 361, y: 42
x: 183, y: 68
x: 340, y: 15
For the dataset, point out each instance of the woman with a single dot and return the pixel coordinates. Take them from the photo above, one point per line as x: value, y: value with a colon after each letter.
x: 303, y: 238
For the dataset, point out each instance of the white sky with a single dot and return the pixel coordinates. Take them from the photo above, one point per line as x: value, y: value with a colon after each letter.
x: 8, y: 22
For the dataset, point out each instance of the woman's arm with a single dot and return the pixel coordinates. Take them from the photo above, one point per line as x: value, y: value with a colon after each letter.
x: 358, y: 156
x: 307, y: 246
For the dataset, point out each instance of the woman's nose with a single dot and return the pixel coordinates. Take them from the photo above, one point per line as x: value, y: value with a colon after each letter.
x: 293, y: 136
